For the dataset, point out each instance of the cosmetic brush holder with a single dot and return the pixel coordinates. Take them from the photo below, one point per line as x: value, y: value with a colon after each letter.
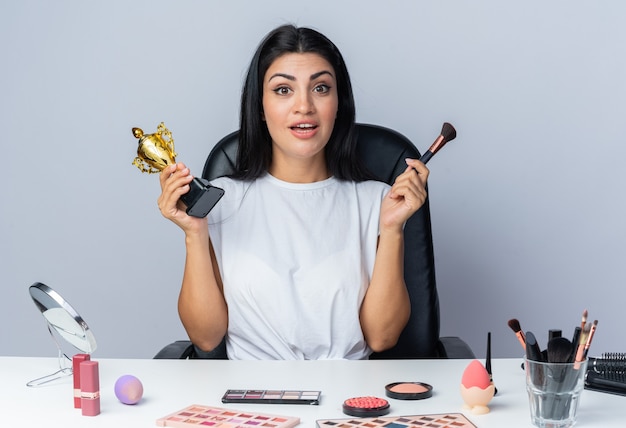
x: 554, y: 392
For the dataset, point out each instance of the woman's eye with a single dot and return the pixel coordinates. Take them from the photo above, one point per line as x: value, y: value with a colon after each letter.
x: 321, y: 89
x: 282, y: 90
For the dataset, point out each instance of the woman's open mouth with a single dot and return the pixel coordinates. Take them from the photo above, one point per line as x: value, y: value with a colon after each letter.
x: 304, y: 129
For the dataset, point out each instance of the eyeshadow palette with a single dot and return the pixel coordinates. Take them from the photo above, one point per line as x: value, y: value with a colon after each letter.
x: 452, y: 420
x: 263, y: 396
x: 196, y: 416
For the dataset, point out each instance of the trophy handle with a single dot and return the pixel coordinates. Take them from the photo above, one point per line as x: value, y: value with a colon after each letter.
x: 166, y: 136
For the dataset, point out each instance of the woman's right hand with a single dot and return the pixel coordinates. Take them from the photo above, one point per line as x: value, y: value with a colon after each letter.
x: 175, y: 181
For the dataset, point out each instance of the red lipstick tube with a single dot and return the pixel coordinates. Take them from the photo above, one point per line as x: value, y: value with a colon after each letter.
x: 76, y: 360
x: 89, y: 388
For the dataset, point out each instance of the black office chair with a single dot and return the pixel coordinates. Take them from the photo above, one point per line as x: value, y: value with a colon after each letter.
x: 383, y: 152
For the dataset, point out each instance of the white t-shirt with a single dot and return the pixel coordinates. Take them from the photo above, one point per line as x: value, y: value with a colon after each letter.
x: 296, y: 260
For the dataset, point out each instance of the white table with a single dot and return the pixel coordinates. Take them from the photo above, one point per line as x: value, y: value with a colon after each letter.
x: 170, y: 385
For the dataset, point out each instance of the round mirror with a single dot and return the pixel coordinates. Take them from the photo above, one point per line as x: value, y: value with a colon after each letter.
x: 63, y: 321
x: 63, y: 318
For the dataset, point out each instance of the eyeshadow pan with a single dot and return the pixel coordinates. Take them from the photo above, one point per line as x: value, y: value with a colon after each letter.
x: 272, y: 394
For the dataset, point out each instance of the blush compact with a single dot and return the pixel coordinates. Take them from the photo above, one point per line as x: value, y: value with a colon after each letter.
x: 366, y: 406
x: 408, y: 390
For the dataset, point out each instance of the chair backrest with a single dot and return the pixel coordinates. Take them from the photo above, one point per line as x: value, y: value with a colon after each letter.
x: 383, y: 152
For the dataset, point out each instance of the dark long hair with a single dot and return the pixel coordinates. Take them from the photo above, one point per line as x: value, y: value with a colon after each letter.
x: 255, y: 143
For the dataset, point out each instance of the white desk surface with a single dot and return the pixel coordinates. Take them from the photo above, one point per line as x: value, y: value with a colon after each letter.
x: 170, y: 385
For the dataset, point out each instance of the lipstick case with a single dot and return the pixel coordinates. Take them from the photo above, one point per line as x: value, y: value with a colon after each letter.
x: 90, y: 388
x: 76, y: 360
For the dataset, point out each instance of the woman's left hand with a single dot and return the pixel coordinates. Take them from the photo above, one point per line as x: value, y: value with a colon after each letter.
x: 405, y: 197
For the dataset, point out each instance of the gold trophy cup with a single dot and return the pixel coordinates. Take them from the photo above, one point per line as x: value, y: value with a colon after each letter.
x: 156, y: 152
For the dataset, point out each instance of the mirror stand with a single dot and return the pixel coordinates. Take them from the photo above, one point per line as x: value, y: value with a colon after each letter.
x: 65, y: 366
x: 62, y: 321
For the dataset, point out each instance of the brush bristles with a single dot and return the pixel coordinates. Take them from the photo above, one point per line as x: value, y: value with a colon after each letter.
x: 448, y: 132
x: 515, y: 325
x: 585, y: 334
x: 559, y: 350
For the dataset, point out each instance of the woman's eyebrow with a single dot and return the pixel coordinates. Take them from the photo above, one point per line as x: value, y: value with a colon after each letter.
x: 286, y: 76
x: 293, y: 78
x: 320, y: 73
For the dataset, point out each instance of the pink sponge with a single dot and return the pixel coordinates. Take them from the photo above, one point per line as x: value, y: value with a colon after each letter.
x: 475, y: 375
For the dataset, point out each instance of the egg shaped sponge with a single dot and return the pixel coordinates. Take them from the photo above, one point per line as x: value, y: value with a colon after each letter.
x: 475, y: 375
x: 128, y: 389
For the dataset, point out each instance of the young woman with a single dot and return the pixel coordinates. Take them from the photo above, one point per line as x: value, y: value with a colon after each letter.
x: 303, y: 256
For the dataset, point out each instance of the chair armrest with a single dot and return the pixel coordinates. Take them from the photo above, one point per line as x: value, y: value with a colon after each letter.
x: 217, y: 353
x: 184, y: 349
x: 454, y: 347
x: 179, y: 350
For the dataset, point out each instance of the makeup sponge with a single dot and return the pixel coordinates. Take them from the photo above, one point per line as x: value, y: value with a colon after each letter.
x: 476, y: 388
x: 128, y: 389
x: 475, y: 375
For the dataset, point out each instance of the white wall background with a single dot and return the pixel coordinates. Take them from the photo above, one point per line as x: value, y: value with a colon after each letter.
x: 528, y: 203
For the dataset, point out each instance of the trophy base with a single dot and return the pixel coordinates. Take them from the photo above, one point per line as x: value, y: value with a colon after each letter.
x: 201, y: 197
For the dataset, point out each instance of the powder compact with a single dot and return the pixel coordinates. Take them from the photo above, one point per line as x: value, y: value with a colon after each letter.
x: 366, y: 406
x: 409, y: 390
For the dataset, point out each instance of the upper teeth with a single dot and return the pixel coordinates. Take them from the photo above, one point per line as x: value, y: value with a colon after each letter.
x: 304, y: 125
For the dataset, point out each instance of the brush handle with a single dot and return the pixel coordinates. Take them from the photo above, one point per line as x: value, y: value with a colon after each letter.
x: 488, y: 363
x: 533, y: 352
x: 426, y: 157
x: 575, y: 340
x: 554, y: 333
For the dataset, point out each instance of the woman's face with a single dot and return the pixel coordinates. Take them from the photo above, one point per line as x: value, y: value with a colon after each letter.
x: 299, y: 105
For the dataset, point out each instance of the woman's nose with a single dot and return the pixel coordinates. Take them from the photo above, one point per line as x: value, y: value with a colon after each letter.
x: 304, y: 103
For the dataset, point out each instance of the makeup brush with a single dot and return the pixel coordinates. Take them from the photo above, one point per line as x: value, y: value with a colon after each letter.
x: 552, y: 333
x: 559, y: 350
x: 592, y: 331
x: 448, y: 133
x: 575, y: 340
x: 533, y: 351
x: 515, y: 326
x: 584, y: 319
x: 488, y: 363
x: 580, y: 350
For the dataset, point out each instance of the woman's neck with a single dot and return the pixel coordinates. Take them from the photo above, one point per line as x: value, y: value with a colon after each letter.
x: 305, y: 171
